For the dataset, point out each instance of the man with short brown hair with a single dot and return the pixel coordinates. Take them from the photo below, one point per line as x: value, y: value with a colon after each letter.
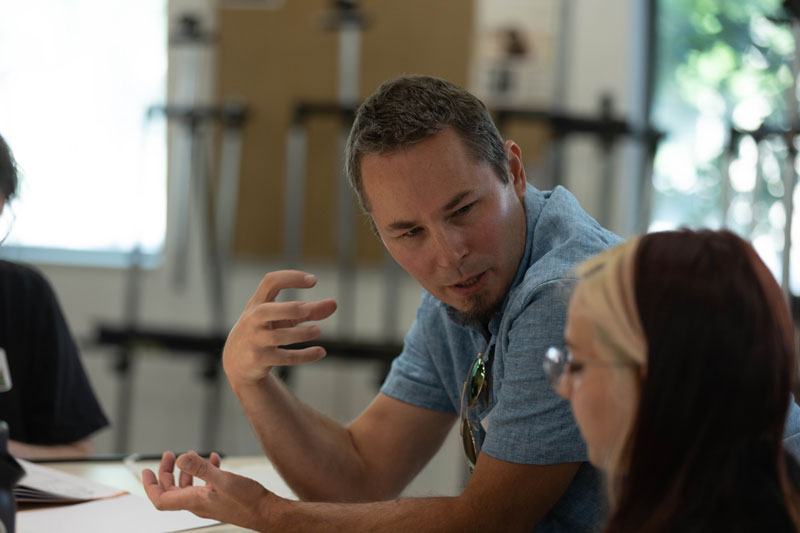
x: 450, y: 201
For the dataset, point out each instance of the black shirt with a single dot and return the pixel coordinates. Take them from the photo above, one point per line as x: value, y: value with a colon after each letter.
x: 51, y: 400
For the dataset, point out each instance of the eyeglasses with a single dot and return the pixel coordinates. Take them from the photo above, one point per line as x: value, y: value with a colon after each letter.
x: 7, y: 218
x: 474, y: 385
x: 558, y: 365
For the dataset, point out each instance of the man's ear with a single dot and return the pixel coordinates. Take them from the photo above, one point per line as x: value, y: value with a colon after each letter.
x: 515, y: 167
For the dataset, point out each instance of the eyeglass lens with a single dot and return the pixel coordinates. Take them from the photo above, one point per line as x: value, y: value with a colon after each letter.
x: 555, y: 362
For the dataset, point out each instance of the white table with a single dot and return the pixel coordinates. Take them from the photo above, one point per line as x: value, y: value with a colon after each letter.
x: 125, y: 476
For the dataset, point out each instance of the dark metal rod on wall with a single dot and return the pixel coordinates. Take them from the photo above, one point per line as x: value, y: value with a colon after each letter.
x: 186, y: 343
x: 644, y: 30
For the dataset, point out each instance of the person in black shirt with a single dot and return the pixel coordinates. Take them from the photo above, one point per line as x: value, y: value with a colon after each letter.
x: 50, y: 407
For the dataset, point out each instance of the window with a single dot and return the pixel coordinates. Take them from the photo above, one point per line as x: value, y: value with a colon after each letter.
x: 722, y: 79
x: 76, y: 80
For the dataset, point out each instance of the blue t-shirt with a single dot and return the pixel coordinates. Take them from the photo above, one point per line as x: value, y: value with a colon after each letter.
x: 525, y: 421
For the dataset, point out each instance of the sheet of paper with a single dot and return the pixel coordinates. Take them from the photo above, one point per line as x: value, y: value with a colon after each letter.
x: 44, y: 484
x: 125, y: 514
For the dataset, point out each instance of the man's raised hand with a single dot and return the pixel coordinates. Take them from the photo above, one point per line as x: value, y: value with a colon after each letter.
x: 254, y: 344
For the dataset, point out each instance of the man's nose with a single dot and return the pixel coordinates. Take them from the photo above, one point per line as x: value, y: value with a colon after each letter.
x: 450, y: 248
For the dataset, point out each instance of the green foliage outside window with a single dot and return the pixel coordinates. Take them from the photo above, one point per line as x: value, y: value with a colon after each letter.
x: 722, y: 64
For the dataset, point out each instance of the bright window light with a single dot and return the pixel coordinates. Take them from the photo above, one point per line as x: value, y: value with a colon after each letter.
x: 76, y: 80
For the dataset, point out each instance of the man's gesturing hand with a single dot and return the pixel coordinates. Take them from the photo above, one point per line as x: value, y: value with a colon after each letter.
x: 253, y: 345
x: 225, y: 496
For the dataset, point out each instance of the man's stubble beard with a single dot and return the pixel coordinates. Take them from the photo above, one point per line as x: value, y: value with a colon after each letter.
x: 480, y: 309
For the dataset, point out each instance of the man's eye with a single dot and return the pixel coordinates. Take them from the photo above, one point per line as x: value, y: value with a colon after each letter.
x: 463, y: 210
x: 411, y: 233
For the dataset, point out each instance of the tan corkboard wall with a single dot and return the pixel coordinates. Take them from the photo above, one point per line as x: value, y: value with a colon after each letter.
x: 274, y: 59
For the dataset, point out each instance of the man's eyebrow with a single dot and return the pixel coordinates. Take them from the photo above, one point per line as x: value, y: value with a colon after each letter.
x: 409, y: 224
x: 401, y: 224
x: 456, y: 200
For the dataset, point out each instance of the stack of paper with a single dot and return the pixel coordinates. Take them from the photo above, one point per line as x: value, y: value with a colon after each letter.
x: 104, y: 508
x: 126, y: 514
x: 47, y: 485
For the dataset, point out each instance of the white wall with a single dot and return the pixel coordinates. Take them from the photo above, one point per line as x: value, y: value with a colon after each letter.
x: 599, y: 62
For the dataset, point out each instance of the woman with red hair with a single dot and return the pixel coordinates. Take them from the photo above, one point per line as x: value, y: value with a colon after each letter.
x: 679, y: 363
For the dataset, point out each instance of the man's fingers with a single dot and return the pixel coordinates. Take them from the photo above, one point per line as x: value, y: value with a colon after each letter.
x: 294, y: 312
x: 151, y: 486
x: 321, y: 309
x: 165, y: 476
x: 185, y: 479
x: 299, y: 357
x: 149, y: 481
x: 167, y: 497
x: 191, y: 499
x: 196, y: 466
x: 215, y: 459
x: 270, y: 312
x: 286, y: 336
x: 274, y: 282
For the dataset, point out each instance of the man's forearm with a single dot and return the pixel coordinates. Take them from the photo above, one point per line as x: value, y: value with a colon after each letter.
x: 412, y: 514
x: 500, y: 496
x: 314, y: 454
x: 488, y: 504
